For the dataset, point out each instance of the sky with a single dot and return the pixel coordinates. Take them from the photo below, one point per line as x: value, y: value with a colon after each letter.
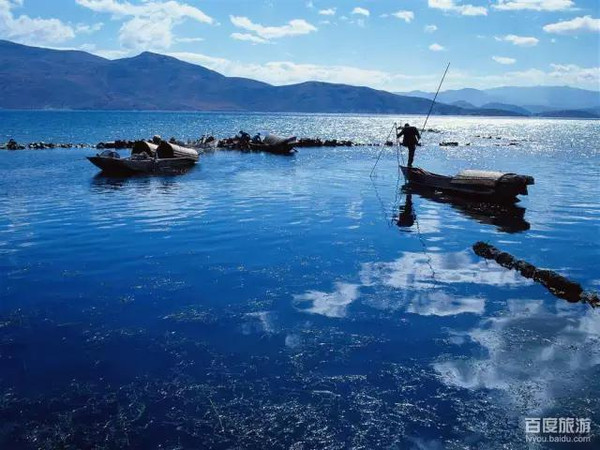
x: 395, y: 45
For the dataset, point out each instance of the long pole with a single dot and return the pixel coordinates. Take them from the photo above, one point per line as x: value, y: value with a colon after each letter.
x: 394, y: 128
x: 435, y: 97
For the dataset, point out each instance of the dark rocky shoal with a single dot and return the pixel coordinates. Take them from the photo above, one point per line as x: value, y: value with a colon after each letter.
x: 232, y: 143
x: 14, y: 145
x: 559, y: 285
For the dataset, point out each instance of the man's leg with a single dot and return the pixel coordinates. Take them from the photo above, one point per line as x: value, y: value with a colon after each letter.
x: 411, y: 155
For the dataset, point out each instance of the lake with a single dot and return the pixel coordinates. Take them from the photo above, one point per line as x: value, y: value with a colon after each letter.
x: 260, y: 301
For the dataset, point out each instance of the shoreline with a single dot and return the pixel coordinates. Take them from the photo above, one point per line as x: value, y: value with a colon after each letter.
x: 295, y: 113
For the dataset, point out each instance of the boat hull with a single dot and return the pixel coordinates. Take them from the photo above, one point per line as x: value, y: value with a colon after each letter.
x: 499, y: 192
x: 128, y: 166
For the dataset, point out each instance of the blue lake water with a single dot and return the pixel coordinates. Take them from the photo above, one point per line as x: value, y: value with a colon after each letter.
x: 260, y: 301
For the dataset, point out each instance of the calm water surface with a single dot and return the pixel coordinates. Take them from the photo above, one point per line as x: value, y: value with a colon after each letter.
x: 270, y: 302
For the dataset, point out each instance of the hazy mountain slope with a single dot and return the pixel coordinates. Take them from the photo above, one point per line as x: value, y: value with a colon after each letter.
x: 551, y: 96
x: 33, y: 78
x: 535, y: 99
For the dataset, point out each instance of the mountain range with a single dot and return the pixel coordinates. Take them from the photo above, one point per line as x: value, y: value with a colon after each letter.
x: 537, y: 100
x: 40, y: 78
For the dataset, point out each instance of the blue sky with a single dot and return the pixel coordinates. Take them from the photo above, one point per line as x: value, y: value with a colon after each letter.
x: 397, y: 45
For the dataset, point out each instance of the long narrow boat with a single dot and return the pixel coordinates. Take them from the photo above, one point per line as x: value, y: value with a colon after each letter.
x: 275, y: 144
x: 483, y: 185
x: 147, y: 157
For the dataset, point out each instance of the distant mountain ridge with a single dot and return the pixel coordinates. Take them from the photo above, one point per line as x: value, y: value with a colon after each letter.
x: 36, y: 78
x: 39, y: 78
x: 537, y: 100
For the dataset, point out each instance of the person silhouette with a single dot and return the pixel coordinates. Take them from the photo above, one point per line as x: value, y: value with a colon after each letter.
x: 410, y: 139
x: 406, y: 216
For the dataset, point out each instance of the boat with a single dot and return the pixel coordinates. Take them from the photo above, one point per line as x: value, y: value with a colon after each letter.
x: 205, y: 143
x: 147, y: 157
x: 484, y: 185
x: 274, y: 144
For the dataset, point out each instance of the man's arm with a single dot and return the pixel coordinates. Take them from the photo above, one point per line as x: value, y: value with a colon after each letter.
x: 418, y: 134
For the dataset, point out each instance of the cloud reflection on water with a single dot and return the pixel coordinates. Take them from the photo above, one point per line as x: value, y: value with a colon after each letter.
x: 420, y: 283
x: 330, y: 304
x: 530, y: 352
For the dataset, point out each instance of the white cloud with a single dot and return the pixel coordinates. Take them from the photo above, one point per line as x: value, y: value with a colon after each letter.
x: 170, y: 9
x: 112, y: 54
x: 534, y: 5
x: 82, y: 28
x: 288, y: 72
x: 188, y: 40
x: 361, y: 11
x: 142, y: 33
x: 430, y: 28
x: 294, y: 27
x: 576, y: 25
x: 149, y: 24
x: 436, y: 48
x: 504, y: 60
x: 327, y: 12
x: 249, y: 37
x: 29, y: 30
x: 521, y: 41
x: 558, y: 74
x: 452, y: 6
x: 407, y: 16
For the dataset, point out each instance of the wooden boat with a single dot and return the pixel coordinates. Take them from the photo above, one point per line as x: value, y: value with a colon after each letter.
x: 147, y: 157
x: 274, y: 144
x: 483, y: 185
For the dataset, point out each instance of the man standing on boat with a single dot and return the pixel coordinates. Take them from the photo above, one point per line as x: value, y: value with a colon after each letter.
x: 410, y: 140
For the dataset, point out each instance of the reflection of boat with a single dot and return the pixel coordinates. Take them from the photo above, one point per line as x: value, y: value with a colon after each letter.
x: 147, y: 157
x: 508, y: 217
x: 274, y: 144
x: 491, y: 186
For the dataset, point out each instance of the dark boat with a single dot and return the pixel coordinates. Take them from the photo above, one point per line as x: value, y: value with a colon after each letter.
x: 483, y: 185
x: 147, y: 157
x: 275, y: 144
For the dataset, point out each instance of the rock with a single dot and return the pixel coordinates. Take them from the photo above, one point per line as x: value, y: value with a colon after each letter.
x: 485, y: 250
x: 448, y: 144
x: 526, y: 269
x: 119, y: 144
x: 505, y: 260
x: 13, y: 145
x: 559, y: 285
x: 590, y: 297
